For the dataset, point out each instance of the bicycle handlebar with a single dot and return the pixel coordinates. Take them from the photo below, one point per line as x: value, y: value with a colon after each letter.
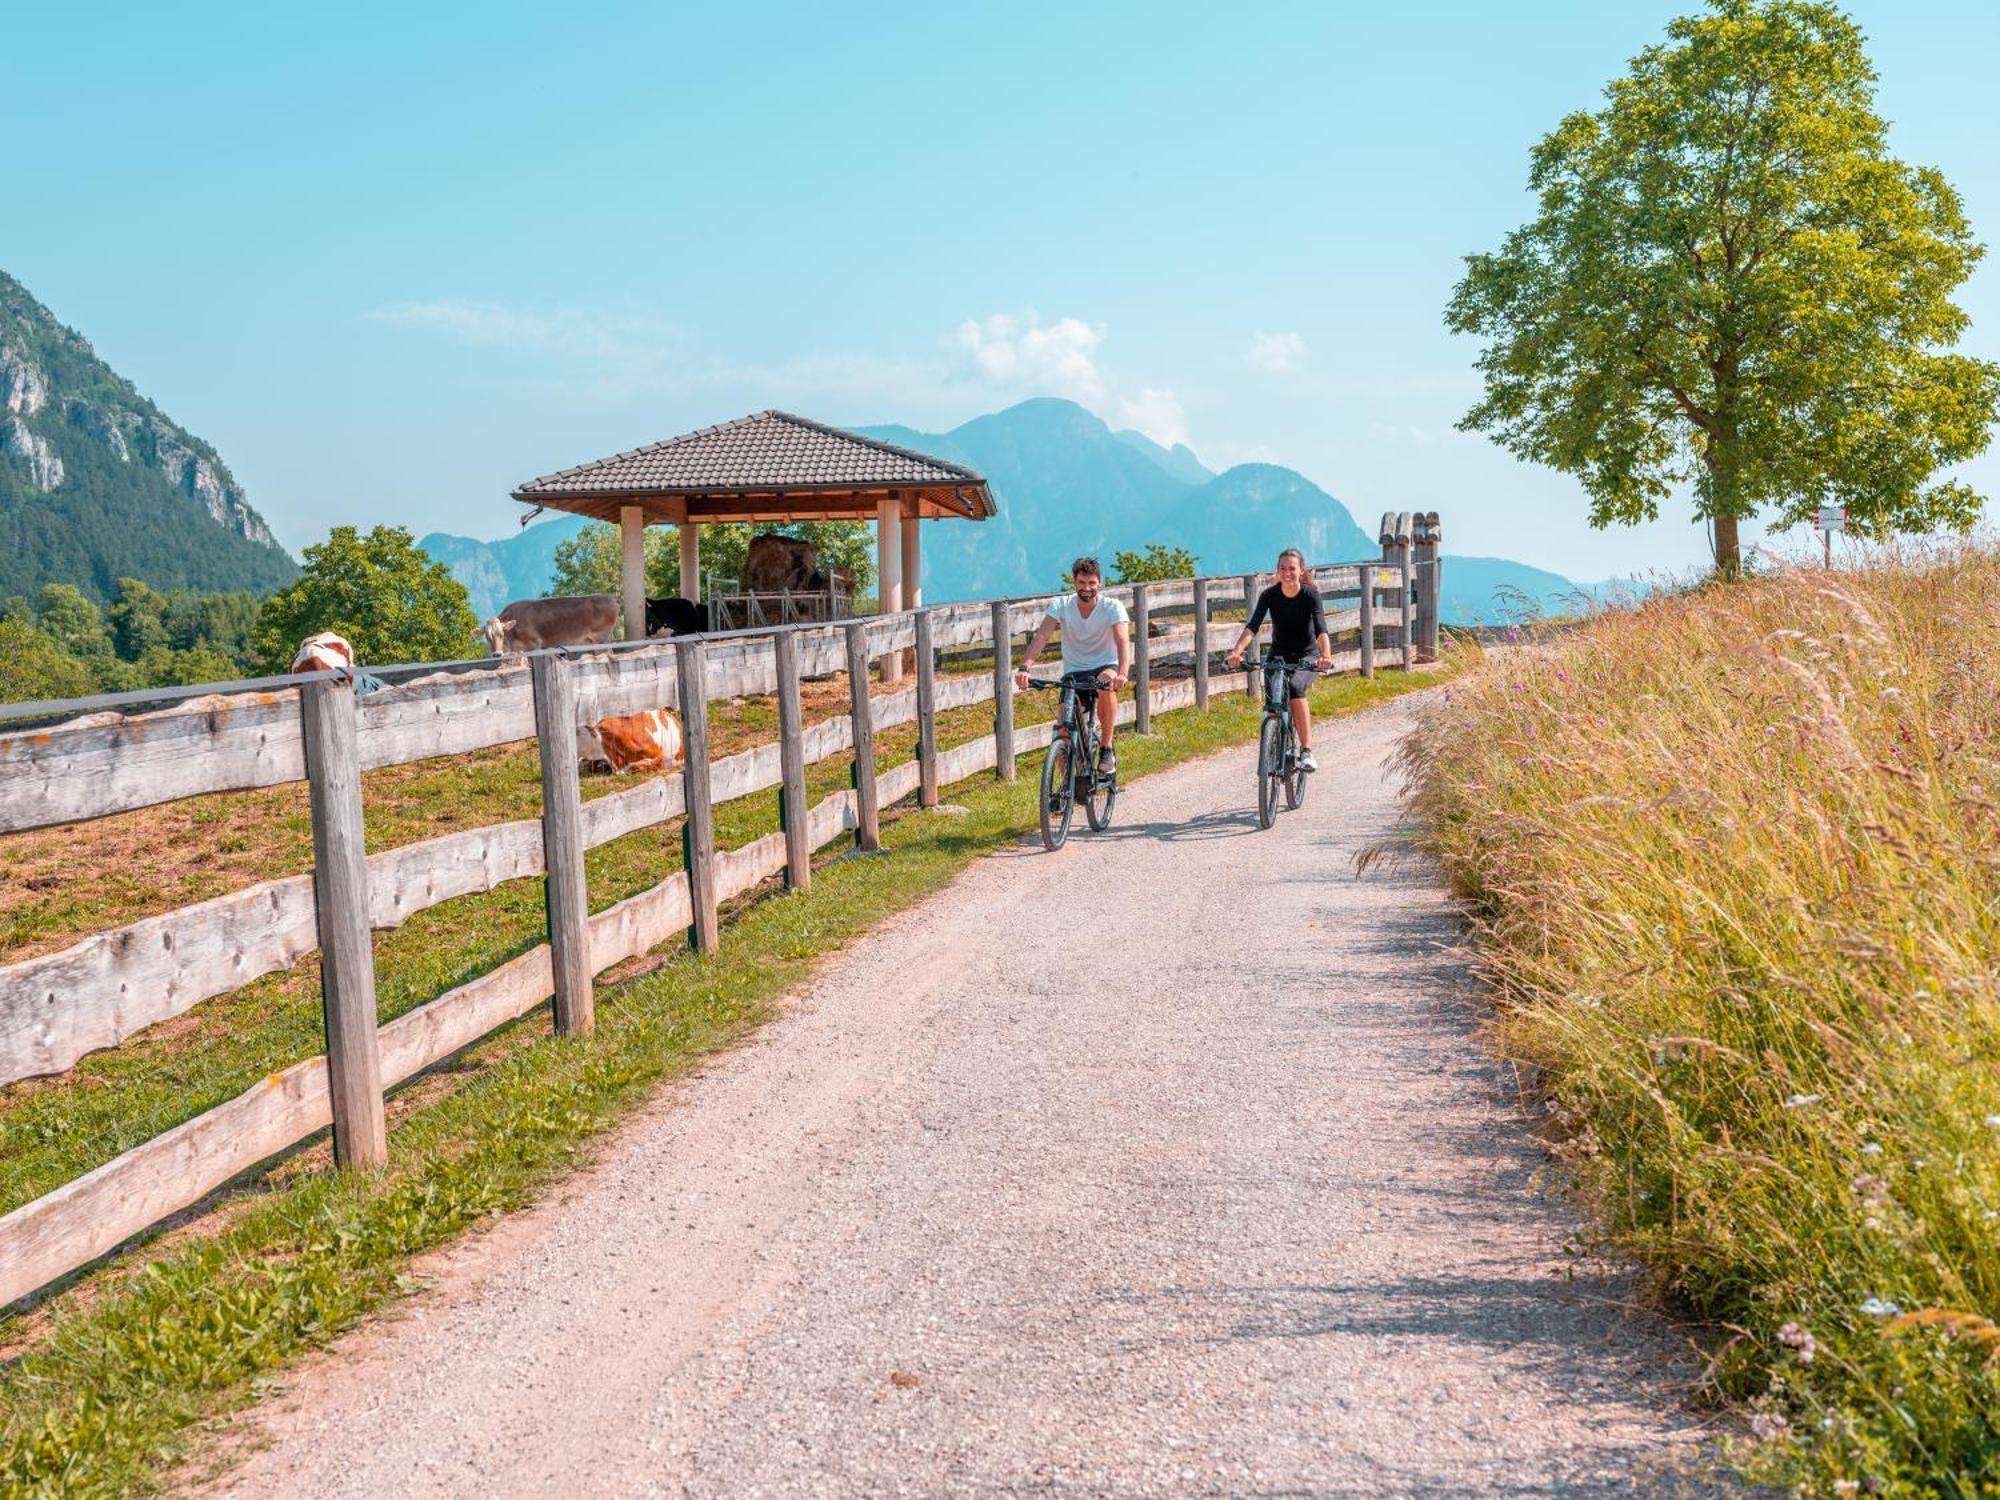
x: 1093, y: 678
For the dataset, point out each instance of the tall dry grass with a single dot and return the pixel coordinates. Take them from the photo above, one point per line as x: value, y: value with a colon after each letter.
x: 1735, y: 861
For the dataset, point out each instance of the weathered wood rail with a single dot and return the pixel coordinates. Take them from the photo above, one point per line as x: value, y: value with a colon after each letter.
x: 98, y: 993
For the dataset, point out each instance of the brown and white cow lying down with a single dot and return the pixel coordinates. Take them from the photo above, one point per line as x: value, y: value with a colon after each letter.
x: 532, y: 624
x: 649, y: 741
x: 323, y: 653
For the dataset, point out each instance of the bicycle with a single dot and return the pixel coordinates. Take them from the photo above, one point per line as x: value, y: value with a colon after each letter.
x: 1062, y: 777
x: 1277, y: 744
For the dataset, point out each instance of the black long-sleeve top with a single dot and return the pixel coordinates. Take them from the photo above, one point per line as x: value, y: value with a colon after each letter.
x: 1297, y: 623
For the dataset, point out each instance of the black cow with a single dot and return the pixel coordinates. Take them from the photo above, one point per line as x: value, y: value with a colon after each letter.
x: 676, y: 617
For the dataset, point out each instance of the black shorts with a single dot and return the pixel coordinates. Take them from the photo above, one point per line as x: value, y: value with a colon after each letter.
x: 1298, y: 681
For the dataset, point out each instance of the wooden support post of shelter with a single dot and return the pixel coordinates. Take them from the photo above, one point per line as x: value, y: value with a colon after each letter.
x: 927, y: 752
x: 889, y: 575
x: 632, y: 569
x: 1003, y: 691
x: 861, y: 714
x: 340, y: 895
x: 698, y: 831
x: 554, y: 683
x: 1142, y: 661
x: 1201, y: 643
x: 792, y: 807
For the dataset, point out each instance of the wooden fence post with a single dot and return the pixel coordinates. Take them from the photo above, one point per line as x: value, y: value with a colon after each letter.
x: 1367, y: 572
x: 1409, y: 610
x: 346, y: 952
x: 554, y: 682
x: 927, y: 757
x: 1003, y: 692
x: 698, y: 831
x: 792, y: 764
x: 1201, y: 643
x: 861, y: 714
x: 1425, y: 538
x: 1250, y: 591
x: 1142, y: 661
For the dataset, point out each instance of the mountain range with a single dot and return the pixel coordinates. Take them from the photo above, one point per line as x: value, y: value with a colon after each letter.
x: 1067, y: 483
x: 98, y: 484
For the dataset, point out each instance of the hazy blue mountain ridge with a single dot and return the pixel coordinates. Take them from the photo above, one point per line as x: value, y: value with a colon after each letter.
x: 1067, y: 484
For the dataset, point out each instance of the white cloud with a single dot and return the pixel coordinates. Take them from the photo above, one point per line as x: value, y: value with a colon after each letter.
x: 1157, y: 413
x: 1013, y: 351
x: 1277, y: 353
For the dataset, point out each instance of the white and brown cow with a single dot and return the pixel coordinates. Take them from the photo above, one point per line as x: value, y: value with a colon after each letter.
x: 532, y: 624
x: 649, y: 741
x: 323, y: 653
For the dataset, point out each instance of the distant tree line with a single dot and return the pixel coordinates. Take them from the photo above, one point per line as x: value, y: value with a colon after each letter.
x: 379, y: 590
x: 590, y: 562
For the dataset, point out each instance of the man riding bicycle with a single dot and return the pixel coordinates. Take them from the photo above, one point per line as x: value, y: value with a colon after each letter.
x: 1096, y: 637
x: 1298, y: 627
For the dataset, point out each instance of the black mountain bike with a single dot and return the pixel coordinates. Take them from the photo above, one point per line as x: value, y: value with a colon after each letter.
x: 1278, y: 765
x: 1069, y: 770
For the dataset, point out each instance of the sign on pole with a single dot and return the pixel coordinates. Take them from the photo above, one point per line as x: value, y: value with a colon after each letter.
x: 1832, y: 518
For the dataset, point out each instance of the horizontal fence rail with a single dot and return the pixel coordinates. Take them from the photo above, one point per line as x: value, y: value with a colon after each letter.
x: 103, y: 990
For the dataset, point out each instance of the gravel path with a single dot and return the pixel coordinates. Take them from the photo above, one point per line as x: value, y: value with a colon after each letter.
x: 1169, y: 1164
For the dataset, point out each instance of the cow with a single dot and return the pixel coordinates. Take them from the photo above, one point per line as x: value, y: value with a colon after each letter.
x: 779, y: 565
x: 325, y: 652
x: 675, y: 617
x: 649, y: 741
x: 531, y: 624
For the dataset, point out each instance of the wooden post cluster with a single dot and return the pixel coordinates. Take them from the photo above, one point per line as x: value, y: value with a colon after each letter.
x: 1201, y: 643
x: 1426, y: 536
x: 1395, y: 539
x: 792, y: 763
x: 927, y: 752
x: 340, y: 893
x: 1003, y: 692
x: 1142, y: 660
x: 860, y: 708
x: 554, y: 683
x: 698, y: 831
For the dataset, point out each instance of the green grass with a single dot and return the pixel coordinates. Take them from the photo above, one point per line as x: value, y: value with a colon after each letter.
x: 107, y: 1379
x: 1733, y: 856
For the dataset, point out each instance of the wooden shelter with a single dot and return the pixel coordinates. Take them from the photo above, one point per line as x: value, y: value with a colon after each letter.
x: 770, y: 466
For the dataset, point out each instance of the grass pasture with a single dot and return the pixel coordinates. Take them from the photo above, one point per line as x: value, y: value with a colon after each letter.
x: 1735, y: 862
x: 102, y: 1381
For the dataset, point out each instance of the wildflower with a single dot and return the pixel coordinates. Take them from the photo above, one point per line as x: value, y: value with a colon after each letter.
x: 1769, y: 1426
x: 1847, y: 1486
x: 1871, y: 1148
x: 1800, y: 1101
x: 1879, y: 1307
x: 1993, y: 1122
x: 1873, y: 1191
x: 1801, y: 1342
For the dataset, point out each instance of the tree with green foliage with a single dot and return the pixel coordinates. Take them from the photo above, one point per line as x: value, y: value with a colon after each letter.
x: 73, y: 621
x: 1732, y: 283
x: 34, y: 666
x: 592, y: 562
x: 1157, y: 564
x: 381, y: 591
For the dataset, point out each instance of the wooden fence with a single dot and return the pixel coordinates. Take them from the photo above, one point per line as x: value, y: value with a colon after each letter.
x: 57, y: 1008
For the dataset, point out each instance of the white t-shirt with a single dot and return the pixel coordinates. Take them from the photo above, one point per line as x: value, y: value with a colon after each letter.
x: 1087, y: 640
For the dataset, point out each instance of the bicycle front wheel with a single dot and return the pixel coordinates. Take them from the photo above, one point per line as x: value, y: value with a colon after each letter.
x: 1270, y: 770
x: 1058, y: 794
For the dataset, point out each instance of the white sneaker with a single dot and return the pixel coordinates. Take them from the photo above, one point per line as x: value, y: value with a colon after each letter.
x: 1306, y: 761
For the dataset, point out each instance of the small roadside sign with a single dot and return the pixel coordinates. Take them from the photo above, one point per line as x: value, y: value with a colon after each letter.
x: 1833, y: 518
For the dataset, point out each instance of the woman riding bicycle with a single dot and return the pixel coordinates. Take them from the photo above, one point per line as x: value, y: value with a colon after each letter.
x: 1298, y: 630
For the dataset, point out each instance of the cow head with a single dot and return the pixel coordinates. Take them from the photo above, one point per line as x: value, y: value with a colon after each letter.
x: 590, y: 751
x: 499, y: 635
x: 323, y: 653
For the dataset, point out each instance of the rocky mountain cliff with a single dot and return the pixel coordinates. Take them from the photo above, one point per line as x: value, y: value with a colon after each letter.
x: 97, y: 483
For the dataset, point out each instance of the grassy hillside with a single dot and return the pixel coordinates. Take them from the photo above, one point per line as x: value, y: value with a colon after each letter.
x: 1735, y: 866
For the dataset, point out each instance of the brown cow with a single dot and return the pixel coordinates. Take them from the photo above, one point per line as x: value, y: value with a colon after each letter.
x: 780, y: 564
x: 649, y: 741
x: 532, y: 624
x: 323, y: 653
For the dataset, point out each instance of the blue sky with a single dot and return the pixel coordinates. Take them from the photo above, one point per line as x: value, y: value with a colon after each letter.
x: 394, y: 259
